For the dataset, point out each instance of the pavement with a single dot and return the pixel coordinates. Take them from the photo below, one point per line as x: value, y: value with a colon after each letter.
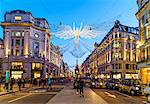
x: 15, y: 89
x: 68, y: 96
x: 32, y: 95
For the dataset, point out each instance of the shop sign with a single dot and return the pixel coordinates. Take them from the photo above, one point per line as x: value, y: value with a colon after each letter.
x: 16, y: 72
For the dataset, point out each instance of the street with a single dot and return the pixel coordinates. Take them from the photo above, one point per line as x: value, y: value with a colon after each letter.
x: 115, y: 97
x: 39, y: 95
x: 30, y: 96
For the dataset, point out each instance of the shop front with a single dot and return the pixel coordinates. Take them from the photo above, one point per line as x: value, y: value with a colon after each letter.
x: 131, y: 76
x: 117, y: 76
x: 16, y: 70
x: 16, y: 74
x: 36, y: 70
x: 145, y: 75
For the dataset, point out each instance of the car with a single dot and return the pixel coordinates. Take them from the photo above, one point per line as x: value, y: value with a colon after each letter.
x: 115, y: 84
x: 99, y: 83
x: 107, y: 83
x: 102, y: 83
x: 131, y: 86
x: 87, y: 82
x: 112, y: 83
x: 146, y: 92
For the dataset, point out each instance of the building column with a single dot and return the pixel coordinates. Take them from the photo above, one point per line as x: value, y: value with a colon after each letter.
x: 7, y: 43
x: 27, y: 68
x: 124, y: 52
x: 43, y: 70
x: 131, y: 52
x: 26, y: 44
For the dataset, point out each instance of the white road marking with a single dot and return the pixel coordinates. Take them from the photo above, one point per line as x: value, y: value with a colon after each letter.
x: 18, y: 98
x: 145, y: 102
x: 124, y: 94
x: 45, y: 93
x: 111, y: 95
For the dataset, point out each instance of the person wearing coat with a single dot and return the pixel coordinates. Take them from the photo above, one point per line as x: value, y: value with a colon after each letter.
x: 81, y: 87
x: 19, y: 83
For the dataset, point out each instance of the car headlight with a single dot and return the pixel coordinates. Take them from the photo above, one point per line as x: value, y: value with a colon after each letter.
x: 101, y: 83
x: 136, y: 88
x: 93, y: 83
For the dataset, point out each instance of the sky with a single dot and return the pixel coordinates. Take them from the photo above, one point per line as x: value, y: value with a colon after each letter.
x: 90, y: 12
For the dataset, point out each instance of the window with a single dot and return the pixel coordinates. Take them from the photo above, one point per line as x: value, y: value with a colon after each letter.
x: 18, y: 34
x: 115, y: 35
x: 127, y: 66
x: 128, y: 56
x: 113, y: 66
x: 116, y: 44
x: 18, y: 18
x: 17, y: 53
x: 12, y: 33
x: 36, y: 66
x: 17, y: 42
x: 133, y: 46
x: 119, y: 66
x: 12, y: 42
x: 17, y: 65
x: 128, y: 45
x: 134, y: 57
x: 120, y: 35
x: 143, y: 19
x: 116, y: 65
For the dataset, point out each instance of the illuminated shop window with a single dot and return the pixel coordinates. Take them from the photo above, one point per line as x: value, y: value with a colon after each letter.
x: 17, y: 65
x: 37, y: 74
x: 36, y: 66
x: 18, y: 18
x: 16, y: 74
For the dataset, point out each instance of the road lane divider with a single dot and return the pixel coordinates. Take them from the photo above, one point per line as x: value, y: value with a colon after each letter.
x: 110, y: 95
x: 19, y: 98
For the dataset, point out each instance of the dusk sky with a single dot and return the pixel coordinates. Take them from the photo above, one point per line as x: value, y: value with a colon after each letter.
x: 68, y: 11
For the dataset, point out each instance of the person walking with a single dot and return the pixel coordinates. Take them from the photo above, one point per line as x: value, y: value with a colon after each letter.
x: 81, y: 85
x: 44, y: 82
x: 6, y: 86
x: 19, y: 83
x: 23, y: 82
x: 49, y: 82
x: 12, y: 82
x: 77, y: 85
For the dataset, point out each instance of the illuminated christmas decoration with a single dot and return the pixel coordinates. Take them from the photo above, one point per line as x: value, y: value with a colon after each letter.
x: 68, y: 32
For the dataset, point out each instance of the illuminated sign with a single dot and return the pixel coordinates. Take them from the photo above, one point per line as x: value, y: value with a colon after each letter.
x: 17, y: 72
